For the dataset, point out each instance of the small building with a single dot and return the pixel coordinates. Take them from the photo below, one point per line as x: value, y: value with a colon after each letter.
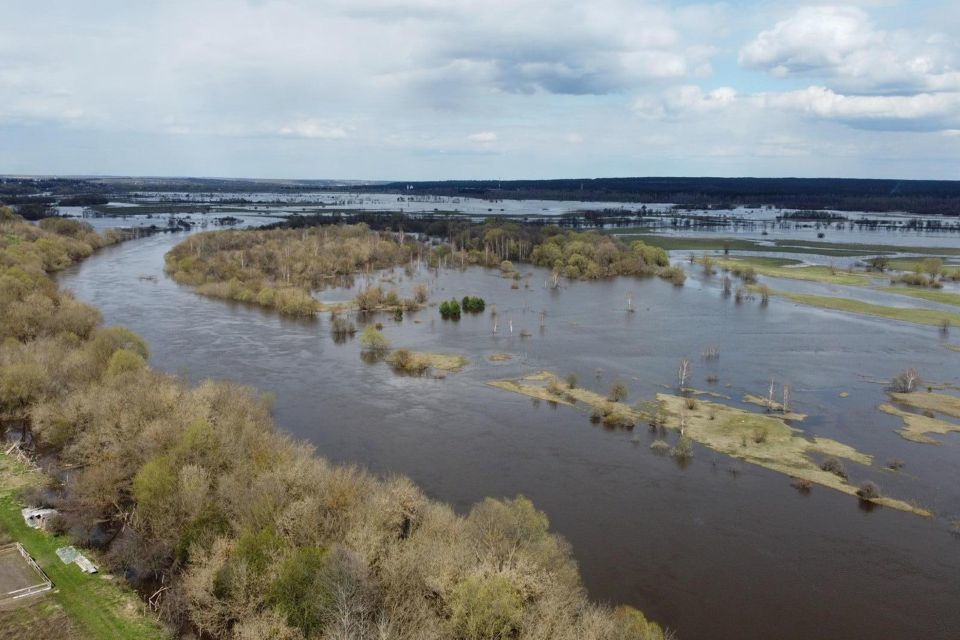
x: 38, y: 518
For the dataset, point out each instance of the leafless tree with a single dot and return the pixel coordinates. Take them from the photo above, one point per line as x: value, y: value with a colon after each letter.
x: 683, y: 373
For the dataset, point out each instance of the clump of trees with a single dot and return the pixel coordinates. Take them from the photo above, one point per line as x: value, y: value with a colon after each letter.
x: 450, y: 310
x: 279, y: 268
x: 252, y: 535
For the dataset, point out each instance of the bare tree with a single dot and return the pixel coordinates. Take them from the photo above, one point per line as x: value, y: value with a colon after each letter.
x: 683, y: 373
x: 786, y: 398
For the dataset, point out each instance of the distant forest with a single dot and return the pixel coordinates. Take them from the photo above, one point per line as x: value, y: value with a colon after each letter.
x: 931, y: 197
x: 939, y: 197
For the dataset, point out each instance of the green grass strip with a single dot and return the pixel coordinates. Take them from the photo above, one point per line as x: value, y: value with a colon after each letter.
x: 918, y: 316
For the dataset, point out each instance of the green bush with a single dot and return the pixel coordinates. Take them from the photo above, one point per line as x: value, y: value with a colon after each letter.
x: 450, y: 310
x: 373, y: 340
x: 485, y: 607
x: 473, y: 304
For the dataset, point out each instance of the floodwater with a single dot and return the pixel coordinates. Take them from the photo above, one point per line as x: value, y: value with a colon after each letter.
x: 715, y: 549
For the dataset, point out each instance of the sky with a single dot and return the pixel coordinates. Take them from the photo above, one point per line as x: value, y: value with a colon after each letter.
x: 456, y: 89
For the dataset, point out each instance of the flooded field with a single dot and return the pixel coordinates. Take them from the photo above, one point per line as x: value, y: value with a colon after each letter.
x: 714, y: 547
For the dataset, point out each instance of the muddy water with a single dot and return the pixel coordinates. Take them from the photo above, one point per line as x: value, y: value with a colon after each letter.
x: 716, y: 549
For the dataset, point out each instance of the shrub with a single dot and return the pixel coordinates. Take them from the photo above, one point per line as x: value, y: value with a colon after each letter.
x: 302, y: 591
x: 572, y: 380
x: 450, y: 310
x: 420, y: 294
x: 373, y: 340
x: 125, y: 361
x: 834, y: 466
x: 906, y: 381
x: 341, y: 327
x: 404, y: 360
x: 683, y: 449
x: 392, y: 299
x: 369, y: 299
x: 506, y: 266
x: 675, y: 275
x: 484, y: 607
x: 473, y: 304
x: 691, y: 403
x: 618, y: 392
x: 868, y: 490
x: 708, y: 265
x: 802, y: 485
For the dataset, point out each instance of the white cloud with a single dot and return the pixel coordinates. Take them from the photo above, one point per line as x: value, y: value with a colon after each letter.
x: 844, y: 46
x: 483, y: 137
x: 925, y: 111
x: 312, y: 129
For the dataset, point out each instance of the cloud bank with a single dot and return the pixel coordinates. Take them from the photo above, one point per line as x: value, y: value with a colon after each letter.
x: 500, y: 88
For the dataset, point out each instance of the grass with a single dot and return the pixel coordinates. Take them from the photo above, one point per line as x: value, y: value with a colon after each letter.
x: 39, y: 617
x: 932, y: 295
x: 913, y: 264
x: 765, y: 440
x: 937, y: 402
x: 443, y: 361
x: 774, y: 406
x: 916, y: 426
x: 812, y: 273
x: 839, y: 249
x: 933, y: 317
x: 98, y: 606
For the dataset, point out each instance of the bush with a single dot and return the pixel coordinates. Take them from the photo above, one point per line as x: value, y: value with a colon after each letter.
x: 473, y: 304
x: 683, y: 449
x: 618, y: 392
x: 906, y: 381
x: 404, y: 360
x: 125, y: 361
x: 369, y: 299
x: 420, y: 294
x: 485, y: 607
x: 373, y: 340
x: 868, y: 490
x: 450, y: 310
x: 834, y: 466
x: 572, y: 380
x: 341, y: 327
x: 392, y: 299
x: 506, y: 266
x: 675, y: 275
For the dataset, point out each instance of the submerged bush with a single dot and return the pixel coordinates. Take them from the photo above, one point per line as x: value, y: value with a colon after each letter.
x: 373, y: 340
x: 450, y: 310
x: 618, y: 392
x: 342, y: 327
x: 868, y: 490
x: 473, y: 304
x: 906, y: 381
x: 834, y: 466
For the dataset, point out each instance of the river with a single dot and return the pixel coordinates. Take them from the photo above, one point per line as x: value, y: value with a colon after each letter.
x: 713, y: 549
